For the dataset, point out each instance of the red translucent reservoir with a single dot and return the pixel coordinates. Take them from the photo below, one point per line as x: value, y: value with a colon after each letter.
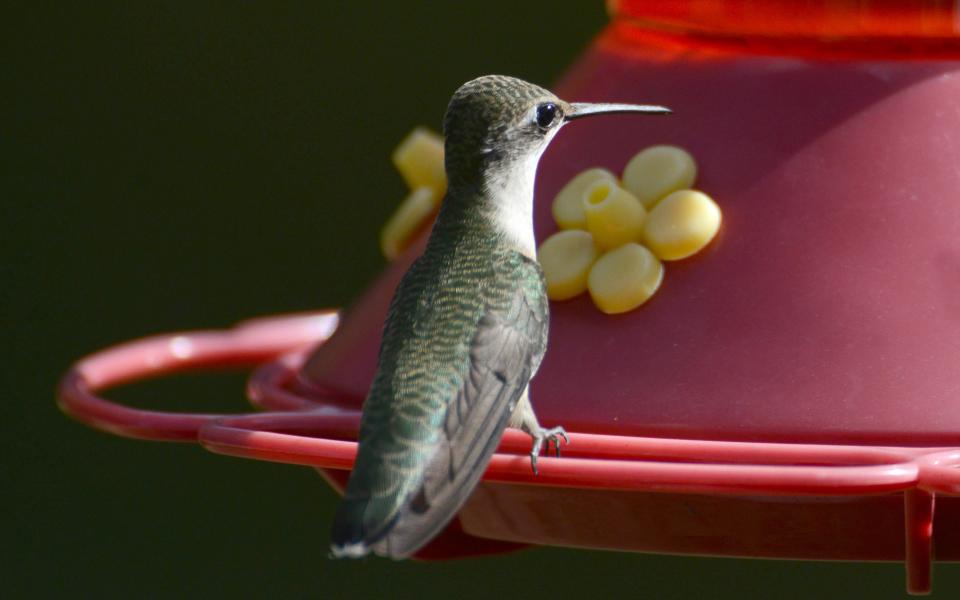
x: 828, y: 309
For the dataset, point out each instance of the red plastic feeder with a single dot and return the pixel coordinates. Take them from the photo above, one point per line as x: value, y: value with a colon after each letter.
x: 789, y: 393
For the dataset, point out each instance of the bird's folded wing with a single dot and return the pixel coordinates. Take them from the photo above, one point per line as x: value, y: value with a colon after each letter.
x: 502, y: 353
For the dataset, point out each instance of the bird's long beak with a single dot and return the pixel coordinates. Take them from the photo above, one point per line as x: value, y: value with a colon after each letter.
x: 584, y: 109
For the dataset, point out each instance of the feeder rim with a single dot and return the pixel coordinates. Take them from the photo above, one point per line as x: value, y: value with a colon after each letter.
x: 281, y: 343
x: 597, y: 461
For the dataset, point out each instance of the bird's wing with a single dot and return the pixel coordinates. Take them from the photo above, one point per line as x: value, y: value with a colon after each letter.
x: 422, y: 455
x: 502, y: 357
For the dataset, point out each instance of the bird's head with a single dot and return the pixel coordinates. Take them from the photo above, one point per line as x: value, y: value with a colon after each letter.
x: 495, y: 122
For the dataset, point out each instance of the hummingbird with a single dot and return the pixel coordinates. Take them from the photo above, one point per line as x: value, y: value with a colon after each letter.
x: 466, y: 328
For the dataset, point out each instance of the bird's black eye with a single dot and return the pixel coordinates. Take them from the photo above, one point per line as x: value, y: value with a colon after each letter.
x: 546, y: 113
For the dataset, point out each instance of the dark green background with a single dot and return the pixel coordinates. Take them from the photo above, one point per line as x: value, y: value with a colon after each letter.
x: 170, y: 166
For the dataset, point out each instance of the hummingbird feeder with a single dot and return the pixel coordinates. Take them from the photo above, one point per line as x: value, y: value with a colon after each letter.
x: 790, y: 392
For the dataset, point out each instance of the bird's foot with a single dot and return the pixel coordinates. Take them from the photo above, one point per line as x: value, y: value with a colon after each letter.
x: 543, y: 437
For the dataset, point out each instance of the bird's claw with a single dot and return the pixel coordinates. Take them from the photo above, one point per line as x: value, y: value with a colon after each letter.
x: 543, y: 437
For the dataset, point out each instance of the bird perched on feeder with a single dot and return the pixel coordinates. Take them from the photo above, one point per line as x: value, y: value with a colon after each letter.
x: 466, y: 330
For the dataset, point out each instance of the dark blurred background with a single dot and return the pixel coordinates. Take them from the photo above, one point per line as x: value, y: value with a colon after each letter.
x: 170, y: 166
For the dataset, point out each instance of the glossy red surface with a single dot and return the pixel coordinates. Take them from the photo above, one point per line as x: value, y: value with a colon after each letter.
x: 826, y: 310
x: 824, y: 313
